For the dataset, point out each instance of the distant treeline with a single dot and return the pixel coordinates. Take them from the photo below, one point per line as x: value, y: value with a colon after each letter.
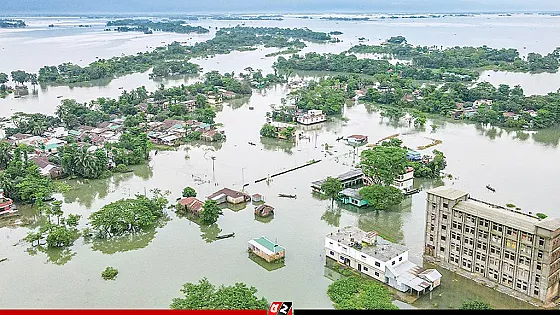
x: 142, y: 25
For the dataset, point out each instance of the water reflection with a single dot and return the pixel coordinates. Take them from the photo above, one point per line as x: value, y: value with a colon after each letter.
x: 332, y: 216
x: 454, y: 289
x: 238, y: 102
x: 57, y: 256
x: 209, y: 232
x: 269, y: 266
x: 277, y: 145
x: 548, y: 136
x: 387, y: 223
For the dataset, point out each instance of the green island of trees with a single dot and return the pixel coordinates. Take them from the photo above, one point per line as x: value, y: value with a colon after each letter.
x: 354, y: 293
x: 464, y: 57
x: 143, y: 25
x: 174, y: 58
x: 10, y: 23
x: 205, y: 296
x: 61, y: 233
x: 128, y: 216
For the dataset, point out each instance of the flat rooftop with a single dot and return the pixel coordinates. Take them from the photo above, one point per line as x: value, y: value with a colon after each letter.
x: 447, y: 192
x: 350, y: 175
x: 383, y: 250
x: 513, y: 218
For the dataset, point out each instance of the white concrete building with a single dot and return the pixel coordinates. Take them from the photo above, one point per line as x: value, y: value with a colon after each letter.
x: 380, y: 259
x: 312, y: 117
x: 404, y: 182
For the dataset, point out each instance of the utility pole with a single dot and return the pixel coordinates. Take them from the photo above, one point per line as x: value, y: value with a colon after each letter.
x: 243, y: 179
x: 213, y: 175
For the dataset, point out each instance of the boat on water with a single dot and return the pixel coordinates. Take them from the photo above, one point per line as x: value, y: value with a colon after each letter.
x: 60, y: 96
x: 251, y: 107
x: 287, y: 196
x: 412, y: 191
x: 252, y: 143
x: 490, y: 188
x: 225, y: 235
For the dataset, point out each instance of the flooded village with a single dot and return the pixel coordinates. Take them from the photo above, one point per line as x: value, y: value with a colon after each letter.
x: 264, y: 165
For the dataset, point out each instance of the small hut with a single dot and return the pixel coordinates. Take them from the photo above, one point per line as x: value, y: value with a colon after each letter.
x: 192, y: 205
x: 257, y: 198
x: 264, y: 211
x: 266, y: 249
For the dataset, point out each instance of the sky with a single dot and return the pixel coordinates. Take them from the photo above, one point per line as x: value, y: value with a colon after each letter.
x: 270, y: 6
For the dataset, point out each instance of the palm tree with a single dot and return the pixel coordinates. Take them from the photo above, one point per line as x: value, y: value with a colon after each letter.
x: 5, y: 154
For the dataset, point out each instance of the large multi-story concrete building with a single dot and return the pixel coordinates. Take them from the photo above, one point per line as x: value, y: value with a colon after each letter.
x: 511, y: 248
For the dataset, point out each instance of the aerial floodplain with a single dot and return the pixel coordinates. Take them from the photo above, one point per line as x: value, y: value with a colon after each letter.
x: 190, y: 157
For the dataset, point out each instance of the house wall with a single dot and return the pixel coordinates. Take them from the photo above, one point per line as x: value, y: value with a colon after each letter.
x: 357, y: 257
x: 237, y: 200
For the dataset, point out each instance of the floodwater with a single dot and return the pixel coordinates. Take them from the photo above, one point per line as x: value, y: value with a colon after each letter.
x: 154, y: 265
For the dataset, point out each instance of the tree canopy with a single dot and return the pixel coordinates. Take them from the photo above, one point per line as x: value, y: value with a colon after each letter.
x: 189, y: 192
x: 210, y: 212
x: 128, y: 215
x: 353, y: 293
x: 331, y: 187
x: 383, y: 163
x: 205, y: 296
x: 475, y: 305
x: 381, y: 197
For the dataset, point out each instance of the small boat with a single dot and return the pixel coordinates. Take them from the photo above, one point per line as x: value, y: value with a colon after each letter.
x: 490, y: 188
x: 121, y: 88
x: 339, y: 138
x: 287, y: 196
x: 225, y: 235
x: 60, y: 96
x: 251, y: 107
x: 251, y: 143
x: 412, y: 191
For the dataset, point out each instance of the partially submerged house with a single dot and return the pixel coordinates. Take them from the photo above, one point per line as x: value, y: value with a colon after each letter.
x: 357, y: 139
x: 352, y: 196
x: 264, y: 211
x: 191, y: 205
x: 266, y: 249
x: 313, y: 116
x: 370, y: 254
x: 405, y: 181
x: 257, y: 198
x: 413, y: 155
x: 229, y: 195
x: 348, y: 179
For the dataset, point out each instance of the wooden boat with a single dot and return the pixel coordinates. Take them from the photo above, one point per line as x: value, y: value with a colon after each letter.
x: 60, y: 96
x: 287, y: 196
x: 251, y: 143
x: 225, y: 235
x: 339, y: 138
x: 490, y: 188
x: 251, y: 107
x: 412, y: 192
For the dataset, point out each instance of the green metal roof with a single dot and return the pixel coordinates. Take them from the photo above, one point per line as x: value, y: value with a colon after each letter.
x: 268, y: 244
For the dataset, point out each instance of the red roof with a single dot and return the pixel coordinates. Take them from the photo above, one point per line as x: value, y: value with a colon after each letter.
x: 192, y: 204
x: 359, y: 137
x: 228, y: 192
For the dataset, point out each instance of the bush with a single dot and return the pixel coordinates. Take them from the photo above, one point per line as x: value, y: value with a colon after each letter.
x: 121, y: 168
x: 541, y: 215
x: 510, y: 205
x: 109, y: 273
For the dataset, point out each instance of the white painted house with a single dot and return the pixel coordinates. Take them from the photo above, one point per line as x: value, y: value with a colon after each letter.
x: 313, y: 116
x: 404, y: 181
x: 370, y: 254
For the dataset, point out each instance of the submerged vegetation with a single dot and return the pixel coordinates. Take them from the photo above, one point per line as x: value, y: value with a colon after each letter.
x: 143, y: 25
x: 174, y: 58
x: 109, y: 273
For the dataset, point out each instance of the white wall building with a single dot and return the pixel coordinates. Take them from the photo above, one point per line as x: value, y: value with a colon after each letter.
x: 380, y: 259
x: 313, y: 116
x: 404, y: 182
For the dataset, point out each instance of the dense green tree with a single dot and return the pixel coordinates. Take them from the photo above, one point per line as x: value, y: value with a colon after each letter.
x: 20, y: 76
x: 268, y: 131
x: 210, y: 212
x: 383, y: 164
x: 381, y: 197
x: 4, y: 78
x: 205, y: 296
x: 189, y: 192
x: 331, y: 187
x: 128, y: 215
x: 353, y: 293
